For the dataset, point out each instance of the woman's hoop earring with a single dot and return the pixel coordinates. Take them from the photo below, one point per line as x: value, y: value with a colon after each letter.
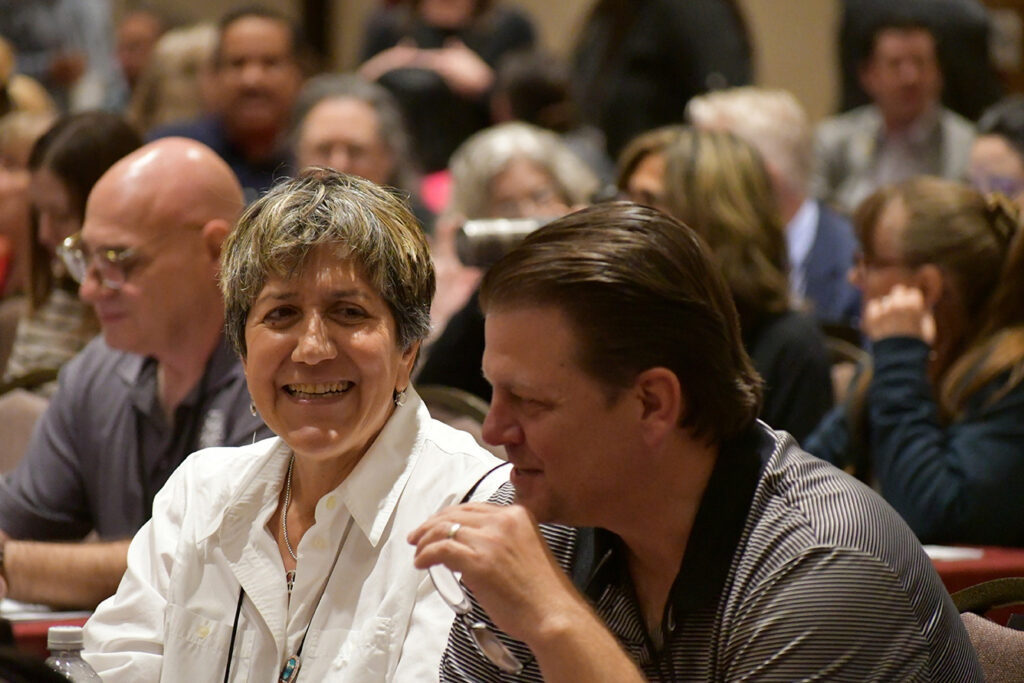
x: 252, y: 408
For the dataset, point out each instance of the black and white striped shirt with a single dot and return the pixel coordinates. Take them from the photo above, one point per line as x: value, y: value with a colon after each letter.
x: 793, y: 571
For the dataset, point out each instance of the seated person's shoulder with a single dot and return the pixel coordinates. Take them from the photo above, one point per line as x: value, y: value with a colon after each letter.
x: 838, y: 127
x: 215, y: 474
x: 793, y: 332
x: 97, y: 368
x: 804, y: 504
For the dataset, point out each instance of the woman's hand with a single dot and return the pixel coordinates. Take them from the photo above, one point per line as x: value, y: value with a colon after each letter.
x: 462, y: 69
x: 505, y: 562
x: 900, y: 313
x: 401, y: 56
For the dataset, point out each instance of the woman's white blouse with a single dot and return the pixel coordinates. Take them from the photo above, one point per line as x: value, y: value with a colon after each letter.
x: 380, y: 618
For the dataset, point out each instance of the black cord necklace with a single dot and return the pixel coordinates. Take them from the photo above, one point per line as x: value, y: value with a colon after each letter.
x: 290, y: 671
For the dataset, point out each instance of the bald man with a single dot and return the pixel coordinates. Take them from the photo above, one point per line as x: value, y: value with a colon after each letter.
x: 159, y: 383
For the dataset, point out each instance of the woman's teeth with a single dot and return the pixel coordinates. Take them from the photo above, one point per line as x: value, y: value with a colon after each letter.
x: 319, y: 389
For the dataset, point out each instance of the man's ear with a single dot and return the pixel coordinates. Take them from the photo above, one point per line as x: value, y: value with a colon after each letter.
x: 930, y: 280
x: 662, y: 402
x: 214, y: 233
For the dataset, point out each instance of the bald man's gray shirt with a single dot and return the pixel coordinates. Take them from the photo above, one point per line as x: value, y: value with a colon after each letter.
x: 104, y: 447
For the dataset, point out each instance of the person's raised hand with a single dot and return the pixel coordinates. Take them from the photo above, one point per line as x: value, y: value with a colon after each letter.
x: 505, y: 562
x: 901, y: 312
x: 403, y: 55
x: 462, y: 69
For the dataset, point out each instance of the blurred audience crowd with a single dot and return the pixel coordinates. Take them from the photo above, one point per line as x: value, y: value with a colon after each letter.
x: 890, y: 230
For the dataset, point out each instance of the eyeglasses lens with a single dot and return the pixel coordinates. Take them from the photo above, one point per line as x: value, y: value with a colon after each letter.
x: 450, y: 588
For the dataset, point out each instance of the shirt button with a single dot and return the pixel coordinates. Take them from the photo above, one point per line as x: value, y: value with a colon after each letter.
x: 203, y: 631
x: 319, y: 543
x: 332, y: 502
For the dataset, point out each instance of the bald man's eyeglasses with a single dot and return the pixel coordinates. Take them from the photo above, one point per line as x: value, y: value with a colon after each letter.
x: 114, y: 265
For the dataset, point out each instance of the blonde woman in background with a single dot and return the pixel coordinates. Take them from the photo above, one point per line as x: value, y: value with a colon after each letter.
x: 175, y: 85
x: 718, y: 185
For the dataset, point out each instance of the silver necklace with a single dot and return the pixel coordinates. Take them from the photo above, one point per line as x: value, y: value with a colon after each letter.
x: 289, y: 575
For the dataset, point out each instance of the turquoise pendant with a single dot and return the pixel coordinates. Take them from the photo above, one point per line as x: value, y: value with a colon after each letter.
x: 290, y: 671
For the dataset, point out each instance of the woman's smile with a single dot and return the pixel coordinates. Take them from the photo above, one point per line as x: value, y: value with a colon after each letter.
x: 318, y: 390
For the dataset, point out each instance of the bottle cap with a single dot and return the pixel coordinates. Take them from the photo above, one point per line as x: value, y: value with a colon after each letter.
x: 64, y: 638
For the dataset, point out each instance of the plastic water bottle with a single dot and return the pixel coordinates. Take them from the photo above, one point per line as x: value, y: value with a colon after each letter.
x: 65, y: 646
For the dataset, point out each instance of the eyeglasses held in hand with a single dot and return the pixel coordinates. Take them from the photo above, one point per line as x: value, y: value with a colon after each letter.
x: 486, y: 641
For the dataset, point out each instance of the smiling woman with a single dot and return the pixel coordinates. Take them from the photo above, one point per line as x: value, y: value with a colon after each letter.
x: 327, y: 282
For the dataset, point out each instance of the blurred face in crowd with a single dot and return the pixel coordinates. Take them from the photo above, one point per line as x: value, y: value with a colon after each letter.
x: 151, y: 241
x: 902, y: 75
x: 447, y: 13
x: 524, y: 190
x: 257, y: 76
x: 647, y: 183
x: 144, y: 312
x: 56, y: 216
x: 342, y: 133
x: 881, y: 265
x: 136, y: 37
x: 996, y: 166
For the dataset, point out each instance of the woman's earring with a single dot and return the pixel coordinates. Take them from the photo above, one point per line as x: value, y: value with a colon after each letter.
x: 252, y: 408
x: 399, y: 397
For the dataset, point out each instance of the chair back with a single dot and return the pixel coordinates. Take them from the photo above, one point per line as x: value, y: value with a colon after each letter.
x: 1000, y: 648
x: 11, y: 311
x: 19, y: 412
x: 459, y: 409
x: 845, y: 358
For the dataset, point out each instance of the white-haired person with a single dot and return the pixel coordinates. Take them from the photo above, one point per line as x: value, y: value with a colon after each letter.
x: 512, y: 170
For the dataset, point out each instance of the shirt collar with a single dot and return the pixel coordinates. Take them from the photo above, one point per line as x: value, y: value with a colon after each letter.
x: 371, y: 491
x: 600, y: 558
x: 917, y: 133
x: 139, y: 373
x: 800, y: 234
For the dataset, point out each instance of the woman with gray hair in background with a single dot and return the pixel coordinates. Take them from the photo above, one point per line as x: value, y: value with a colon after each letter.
x: 292, y: 550
x: 354, y: 126
x: 512, y: 170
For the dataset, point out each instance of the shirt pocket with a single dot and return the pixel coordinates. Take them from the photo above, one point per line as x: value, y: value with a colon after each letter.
x: 358, y: 655
x: 196, y: 648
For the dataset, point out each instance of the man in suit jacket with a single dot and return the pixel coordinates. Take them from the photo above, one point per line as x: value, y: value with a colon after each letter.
x: 903, y: 133
x: 821, y: 243
x: 963, y: 30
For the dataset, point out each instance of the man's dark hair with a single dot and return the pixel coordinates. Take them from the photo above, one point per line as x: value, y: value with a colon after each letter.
x: 896, y: 20
x: 640, y: 291
x: 294, y: 29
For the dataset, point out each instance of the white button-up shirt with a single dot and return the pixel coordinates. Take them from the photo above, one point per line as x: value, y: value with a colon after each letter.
x: 173, y: 616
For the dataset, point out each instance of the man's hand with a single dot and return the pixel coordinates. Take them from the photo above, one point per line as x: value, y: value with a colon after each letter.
x: 505, y: 562
x: 900, y: 313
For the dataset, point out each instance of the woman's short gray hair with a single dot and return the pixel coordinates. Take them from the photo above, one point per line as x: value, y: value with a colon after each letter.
x: 321, y: 207
x: 484, y: 155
